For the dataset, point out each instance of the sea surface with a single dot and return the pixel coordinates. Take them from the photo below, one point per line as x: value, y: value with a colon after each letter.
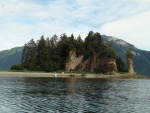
x: 59, y: 95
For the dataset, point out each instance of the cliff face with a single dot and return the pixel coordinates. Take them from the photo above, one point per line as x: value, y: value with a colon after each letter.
x: 73, y: 61
x: 93, y: 64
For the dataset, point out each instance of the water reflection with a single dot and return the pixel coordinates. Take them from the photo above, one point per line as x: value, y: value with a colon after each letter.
x: 74, y: 95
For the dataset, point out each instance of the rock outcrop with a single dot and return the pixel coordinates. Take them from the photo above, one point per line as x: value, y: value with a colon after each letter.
x: 93, y: 64
x: 73, y: 61
x: 110, y: 66
x: 130, y: 65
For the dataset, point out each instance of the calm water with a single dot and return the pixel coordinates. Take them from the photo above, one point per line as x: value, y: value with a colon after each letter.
x: 57, y: 95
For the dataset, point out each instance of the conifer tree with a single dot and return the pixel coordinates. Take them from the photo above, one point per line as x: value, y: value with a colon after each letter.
x: 32, y: 54
x: 79, y: 46
x: 51, y: 54
x: 120, y: 65
x: 24, y: 60
x: 29, y: 55
x: 41, y: 53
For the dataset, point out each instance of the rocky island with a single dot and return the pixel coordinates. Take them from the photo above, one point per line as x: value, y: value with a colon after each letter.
x: 71, y: 54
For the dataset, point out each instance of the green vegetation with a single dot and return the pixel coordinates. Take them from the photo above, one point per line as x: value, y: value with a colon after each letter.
x: 94, y: 44
x: 10, y: 57
x: 141, y: 57
x: 17, y: 67
x: 121, y: 65
x: 129, y: 54
x: 50, y: 54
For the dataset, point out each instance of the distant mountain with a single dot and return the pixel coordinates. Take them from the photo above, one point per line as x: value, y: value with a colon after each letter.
x: 10, y: 57
x: 141, y: 57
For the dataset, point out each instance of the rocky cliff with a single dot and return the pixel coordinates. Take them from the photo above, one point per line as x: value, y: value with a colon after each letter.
x: 92, y: 64
x: 130, y: 66
x: 73, y: 61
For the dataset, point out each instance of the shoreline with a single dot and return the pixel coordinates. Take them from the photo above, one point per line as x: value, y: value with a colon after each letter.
x: 68, y: 75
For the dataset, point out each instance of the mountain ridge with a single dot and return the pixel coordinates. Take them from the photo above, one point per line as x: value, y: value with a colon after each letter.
x: 10, y: 57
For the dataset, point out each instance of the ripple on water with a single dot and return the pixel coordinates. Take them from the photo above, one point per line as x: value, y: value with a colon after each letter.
x: 42, y: 95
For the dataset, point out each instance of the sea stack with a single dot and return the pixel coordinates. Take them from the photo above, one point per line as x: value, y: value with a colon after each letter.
x: 129, y: 56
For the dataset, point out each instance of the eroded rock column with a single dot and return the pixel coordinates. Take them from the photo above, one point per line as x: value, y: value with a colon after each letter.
x: 129, y: 56
x: 130, y: 66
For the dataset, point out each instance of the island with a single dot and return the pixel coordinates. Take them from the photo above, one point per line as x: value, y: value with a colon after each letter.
x: 70, y: 54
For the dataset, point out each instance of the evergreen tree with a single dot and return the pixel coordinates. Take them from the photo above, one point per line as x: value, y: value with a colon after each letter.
x: 63, y: 49
x: 129, y: 54
x: 53, y: 59
x: 93, y: 44
x: 48, y: 49
x: 79, y: 45
x: 97, y: 43
x: 51, y: 54
x: 89, y: 45
x: 71, y: 42
x: 41, y: 53
x: 110, y: 53
x: 32, y: 54
x: 54, y: 41
x: 24, y: 60
x: 29, y: 55
x: 120, y: 65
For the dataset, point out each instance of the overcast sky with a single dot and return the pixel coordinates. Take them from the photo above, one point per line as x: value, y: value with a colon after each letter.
x: 21, y: 20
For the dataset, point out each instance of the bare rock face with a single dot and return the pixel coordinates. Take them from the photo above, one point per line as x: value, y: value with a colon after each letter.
x: 73, y: 61
x: 95, y: 63
x: 110, y: 67
x: 130, y: 65
x: 90, y: 64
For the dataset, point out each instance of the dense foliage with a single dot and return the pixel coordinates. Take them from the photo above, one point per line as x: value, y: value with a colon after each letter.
x: 121, y: 65
x: 129, y: 54
x: 94, y: 44
x: 17, y: 67
x: 50, y: 54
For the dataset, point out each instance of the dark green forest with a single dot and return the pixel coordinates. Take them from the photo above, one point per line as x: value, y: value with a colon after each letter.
x: 50, y: 54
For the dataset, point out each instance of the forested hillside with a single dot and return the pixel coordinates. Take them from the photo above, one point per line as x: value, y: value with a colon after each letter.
x: 10, y: 57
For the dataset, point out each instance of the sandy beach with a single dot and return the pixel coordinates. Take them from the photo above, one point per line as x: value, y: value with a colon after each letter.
x: 66, y: 75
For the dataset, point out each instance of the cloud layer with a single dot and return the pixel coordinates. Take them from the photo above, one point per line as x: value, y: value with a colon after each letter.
x: 22, y: 20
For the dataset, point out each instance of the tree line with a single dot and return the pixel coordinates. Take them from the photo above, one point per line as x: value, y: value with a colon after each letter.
x: 50, y: 54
